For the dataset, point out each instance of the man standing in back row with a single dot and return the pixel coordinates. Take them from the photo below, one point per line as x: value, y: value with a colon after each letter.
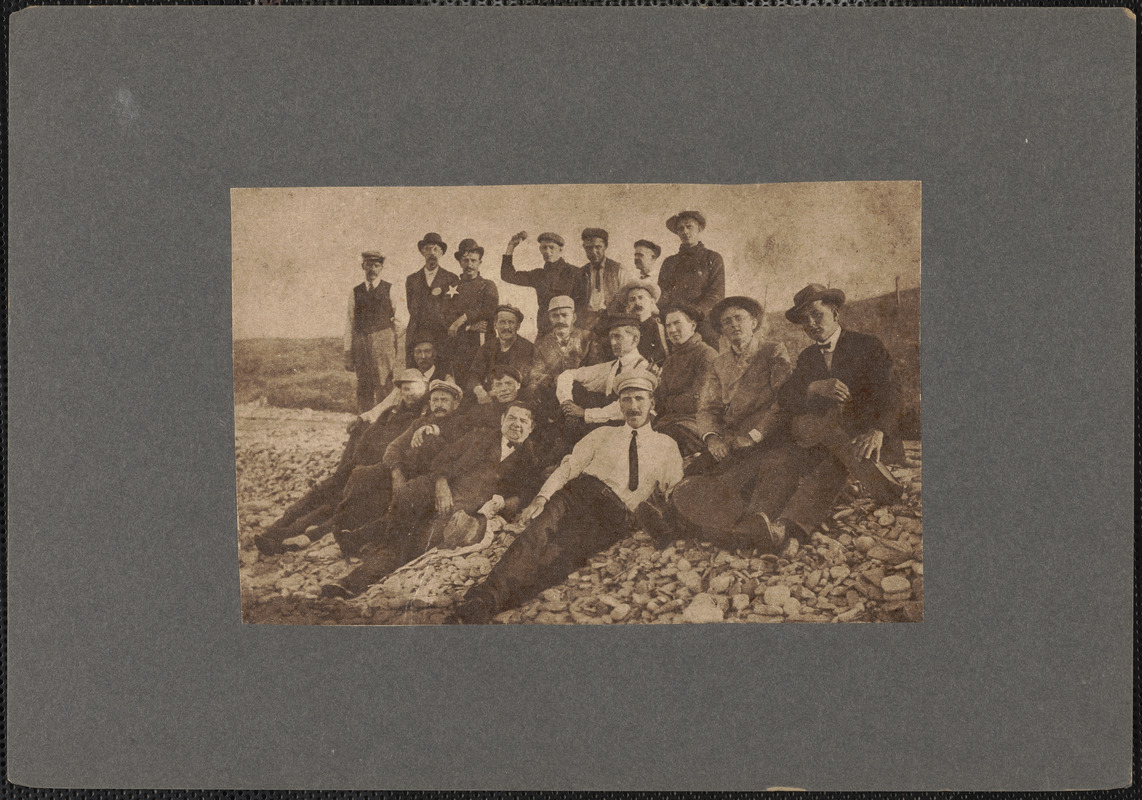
x: 694, y: 275
x: 557, y: 278
x: 371, y: 335
x: 429, y: 292
x: 600, y: 279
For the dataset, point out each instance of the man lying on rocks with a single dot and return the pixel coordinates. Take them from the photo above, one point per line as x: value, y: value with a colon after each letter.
x: 486, y: 472
x: 313, y: 515
x: 585, y: 506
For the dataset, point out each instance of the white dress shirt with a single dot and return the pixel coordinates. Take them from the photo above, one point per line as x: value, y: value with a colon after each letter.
x: 829, y: 346
x: 605, y: 454
x: 400, y: 311
x: 599, y: 378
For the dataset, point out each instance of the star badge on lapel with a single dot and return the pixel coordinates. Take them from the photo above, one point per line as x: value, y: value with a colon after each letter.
x: 453, y: 290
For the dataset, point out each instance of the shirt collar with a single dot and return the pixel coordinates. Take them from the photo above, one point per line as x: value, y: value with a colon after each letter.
x: 831, y: 342
x: 630, y: 359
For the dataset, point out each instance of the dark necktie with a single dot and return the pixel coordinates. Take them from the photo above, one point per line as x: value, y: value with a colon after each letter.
x: 598, y: 279
x: 511, y: 445
x: 632, y: 484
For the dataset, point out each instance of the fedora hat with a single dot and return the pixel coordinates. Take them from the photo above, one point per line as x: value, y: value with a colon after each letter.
x: 697, y: 216
x: 653, y: 289
x: 432, y: 238
x: 623, y: 321
x: 812, y: 292
x: 468, y: 246
x: 737, y: 301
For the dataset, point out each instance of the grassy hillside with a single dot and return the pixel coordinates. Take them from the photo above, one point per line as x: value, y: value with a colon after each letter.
x: 309, y: 373
x: 294, y: 373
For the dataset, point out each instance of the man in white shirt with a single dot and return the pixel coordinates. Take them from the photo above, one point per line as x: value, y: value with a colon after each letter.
x: 600, y: 379
x: 585, y: 506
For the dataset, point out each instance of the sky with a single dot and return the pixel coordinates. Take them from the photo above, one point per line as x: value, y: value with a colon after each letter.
x: 297, y: 251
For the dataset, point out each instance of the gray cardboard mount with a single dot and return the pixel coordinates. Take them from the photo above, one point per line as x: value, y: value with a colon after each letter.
x: 127, y: 663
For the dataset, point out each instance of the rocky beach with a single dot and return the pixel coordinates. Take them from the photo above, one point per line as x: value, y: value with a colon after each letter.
x: 864, y: 564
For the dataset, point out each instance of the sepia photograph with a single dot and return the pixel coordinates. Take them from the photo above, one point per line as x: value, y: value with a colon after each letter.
x: 578, y: 404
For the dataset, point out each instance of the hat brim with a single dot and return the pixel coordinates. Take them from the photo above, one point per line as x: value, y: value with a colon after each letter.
x: 672, y: 223
x: 460, y: 253
x: 737, y: 301
x: 834, y: 296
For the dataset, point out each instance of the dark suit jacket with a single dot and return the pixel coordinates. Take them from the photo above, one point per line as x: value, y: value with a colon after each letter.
x: 864, y: 365
x: 430, y: 307
x: 473, y: 469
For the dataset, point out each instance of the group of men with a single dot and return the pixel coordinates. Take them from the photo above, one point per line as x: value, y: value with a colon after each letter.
x: 587, y: 432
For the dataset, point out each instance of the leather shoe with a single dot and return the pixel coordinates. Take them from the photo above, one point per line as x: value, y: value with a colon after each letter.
x: 651, y: 521
x: 758, y: 531
x: 472, y: 611
x: 331, y: 590
x: 267, y: 546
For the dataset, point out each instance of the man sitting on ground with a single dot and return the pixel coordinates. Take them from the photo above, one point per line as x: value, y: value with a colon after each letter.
x: 487, y: 472
x: 846, y: 400
x: 585, y: 506
x: 366, y: 447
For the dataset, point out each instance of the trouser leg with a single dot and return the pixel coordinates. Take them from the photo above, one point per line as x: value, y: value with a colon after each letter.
x: 778, y: 472
x: 397, y: 537
x: 366, y: 496
x: 815, y: 496
x: 556, y: 543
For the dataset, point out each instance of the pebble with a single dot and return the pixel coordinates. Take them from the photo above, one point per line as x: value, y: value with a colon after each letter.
x: 620, y: 612
x: 776, y: 595
x: 690, y: 579
x: 683, y: 565
x: 791, y: 607
x: 741, y: 602
x: 702, y: 609
x: 721, y: 583
x: 896, y: 587
x: 864, y: 543
x: 839, y: 572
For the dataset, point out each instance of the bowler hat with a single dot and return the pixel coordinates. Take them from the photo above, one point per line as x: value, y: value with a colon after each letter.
x: 653, y: 288
x: 468, y: 246
x: 562, y: 301
x: 410, y: 375
x: 814, y: 291
x: 445, y: 385
x: 636, y: 379
x: 621, y: 321
x: 511, y: 310
x: 737, y: 301
x: 649, y: 245
x: 596, y: 233
x: 550, y: 237
x: 697, y: 216
x: 372, y: 255
x: 432, y: 238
